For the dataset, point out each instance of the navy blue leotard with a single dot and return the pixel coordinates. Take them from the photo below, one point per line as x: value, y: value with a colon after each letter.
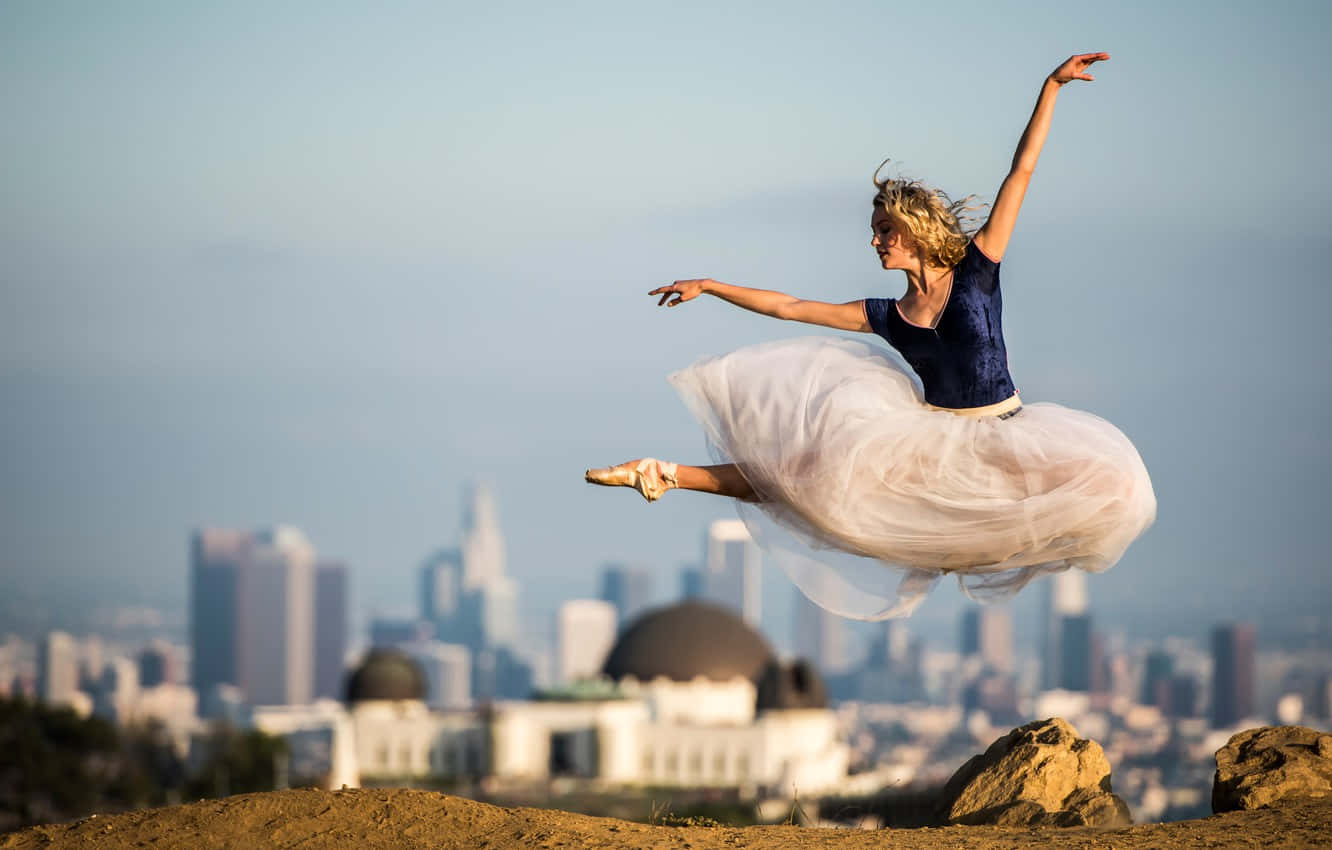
x: 961, y: 361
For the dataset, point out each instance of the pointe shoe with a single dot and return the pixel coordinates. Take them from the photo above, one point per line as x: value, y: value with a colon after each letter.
x: 650, y: 477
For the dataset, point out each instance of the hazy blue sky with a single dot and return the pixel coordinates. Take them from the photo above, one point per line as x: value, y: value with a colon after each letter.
x: 323, y: 263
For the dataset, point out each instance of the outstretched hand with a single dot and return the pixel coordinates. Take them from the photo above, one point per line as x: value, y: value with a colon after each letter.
x: 1075, y: 68
x: 683, y: 290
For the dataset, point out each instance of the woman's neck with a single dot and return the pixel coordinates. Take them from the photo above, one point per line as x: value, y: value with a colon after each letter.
x: 925, y: 280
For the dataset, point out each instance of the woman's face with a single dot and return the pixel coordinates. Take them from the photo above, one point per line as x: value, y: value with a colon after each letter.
x: 892, y: 243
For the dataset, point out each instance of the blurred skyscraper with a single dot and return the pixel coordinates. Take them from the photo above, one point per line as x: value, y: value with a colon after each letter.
x: 277, y: 598
x: 1065, y: 595
x: 1233, y: 675
x: 628, y: 588
x: 987, y: 632
x: 159, y: 664
x: 585, y: 631
x: 691, y: 582
x: 57, y: 669
x: 330, y: 641
x: 253, y: 614
x: 448, y: 671
x: 894, y: 668
x: 117, y: 690
x: 1157, y: 669
x: 441, y: 594
x: 820, y: 635
x: 217, y: 562
x: 464, y: 592
x: 1080, y: 663
x: 731, y: 569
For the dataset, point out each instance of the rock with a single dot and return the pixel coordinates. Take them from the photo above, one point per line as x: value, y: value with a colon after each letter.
x: 1041, y: 774
x: 1259, y: 766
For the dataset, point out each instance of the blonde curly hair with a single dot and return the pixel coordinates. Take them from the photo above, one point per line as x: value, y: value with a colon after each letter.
x: 941, y: 227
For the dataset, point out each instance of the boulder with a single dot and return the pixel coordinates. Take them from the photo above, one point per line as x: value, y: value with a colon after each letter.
x: 1259, y: 766
x: 1041, y: 774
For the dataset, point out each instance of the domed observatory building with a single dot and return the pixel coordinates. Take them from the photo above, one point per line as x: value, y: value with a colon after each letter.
x: 397, y: 735
x: 692, y: 697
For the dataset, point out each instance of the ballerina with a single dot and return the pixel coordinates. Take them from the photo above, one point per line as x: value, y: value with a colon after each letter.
x: 856, y: 471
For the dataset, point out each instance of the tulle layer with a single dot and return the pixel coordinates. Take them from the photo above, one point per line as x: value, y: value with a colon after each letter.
x: 869, y: 496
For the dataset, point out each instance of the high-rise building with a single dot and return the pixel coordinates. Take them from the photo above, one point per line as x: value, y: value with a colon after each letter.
x: 1064, y: 595
x: 1079, y: 661
x: 628, y: 588
x: 691, y: 583
x: 218, y: 558
x: 159, y: 664
x: 1233, y: 678
x: 464, y: 592
x: 277, y: 596
x: 441, y: 592
x: 987, y: 632
x: 448, y: 671
x: 482, y: 549
x: 820, y: 635
x: 731, y: 569
x: 500, y: 674
x: 117, y: 690
x: 1177, y: 695
x: 253, y: 614
x: 57, y: 669
x: 584, y: 634
x: 330, y: 639
x: 1157, y: 669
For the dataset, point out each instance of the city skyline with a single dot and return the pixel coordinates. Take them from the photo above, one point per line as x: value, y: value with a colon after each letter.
x: 331, y: 311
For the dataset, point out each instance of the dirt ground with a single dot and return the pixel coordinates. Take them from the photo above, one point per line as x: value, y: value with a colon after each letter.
x: 401, y: 818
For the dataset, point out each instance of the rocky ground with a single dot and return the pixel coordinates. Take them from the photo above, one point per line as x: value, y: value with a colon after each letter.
x: 401, y: 818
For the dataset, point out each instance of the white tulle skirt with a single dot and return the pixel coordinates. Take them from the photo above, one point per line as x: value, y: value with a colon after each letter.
x: 869, y: 495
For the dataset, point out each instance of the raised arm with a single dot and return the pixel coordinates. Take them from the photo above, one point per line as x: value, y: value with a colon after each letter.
x: 846, y: 317
x: 992, y: 239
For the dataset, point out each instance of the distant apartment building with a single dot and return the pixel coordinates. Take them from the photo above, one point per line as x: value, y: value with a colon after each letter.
x: 57, y: 669
x: 464, y: 592
x: 1080, y: 662
x: 448, y: 672
x: 628, y: 588
x: 253, y: 614
x: 1233, y: 674
x: 1063, y: 595
x: 731, y: 569
x: 584, y: 633
x: 987, y: 633
x: 159, y: 664
x: 820, y: 635
x: 330, y: 638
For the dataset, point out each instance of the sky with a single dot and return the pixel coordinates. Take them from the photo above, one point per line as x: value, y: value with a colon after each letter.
x: 327, y: 263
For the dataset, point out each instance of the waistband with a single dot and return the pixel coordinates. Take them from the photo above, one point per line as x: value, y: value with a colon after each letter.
x: 1002, y: 409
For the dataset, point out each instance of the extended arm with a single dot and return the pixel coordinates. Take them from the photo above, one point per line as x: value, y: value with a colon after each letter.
x: 992, y: 239
x: 846, y: 317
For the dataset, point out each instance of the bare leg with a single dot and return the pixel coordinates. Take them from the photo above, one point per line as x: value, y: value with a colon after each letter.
x: 724, y: 480
x: 652, y: 478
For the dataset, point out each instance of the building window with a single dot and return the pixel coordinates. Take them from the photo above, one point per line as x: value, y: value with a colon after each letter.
x: 649, y: 763
x: 405, y: 758
x: 696, y: 764
x: 742, y: 766
x: 719, y: 766
x: 382, y: 756
x: 672, y: 763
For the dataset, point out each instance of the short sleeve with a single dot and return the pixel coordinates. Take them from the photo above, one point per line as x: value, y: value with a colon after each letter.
x: 978, y: 270
x: 876, y: 313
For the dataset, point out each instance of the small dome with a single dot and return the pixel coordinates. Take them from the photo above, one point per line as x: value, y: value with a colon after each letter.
x: 794, y: 685
x: 686, y: 640
x: 388, y: 674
